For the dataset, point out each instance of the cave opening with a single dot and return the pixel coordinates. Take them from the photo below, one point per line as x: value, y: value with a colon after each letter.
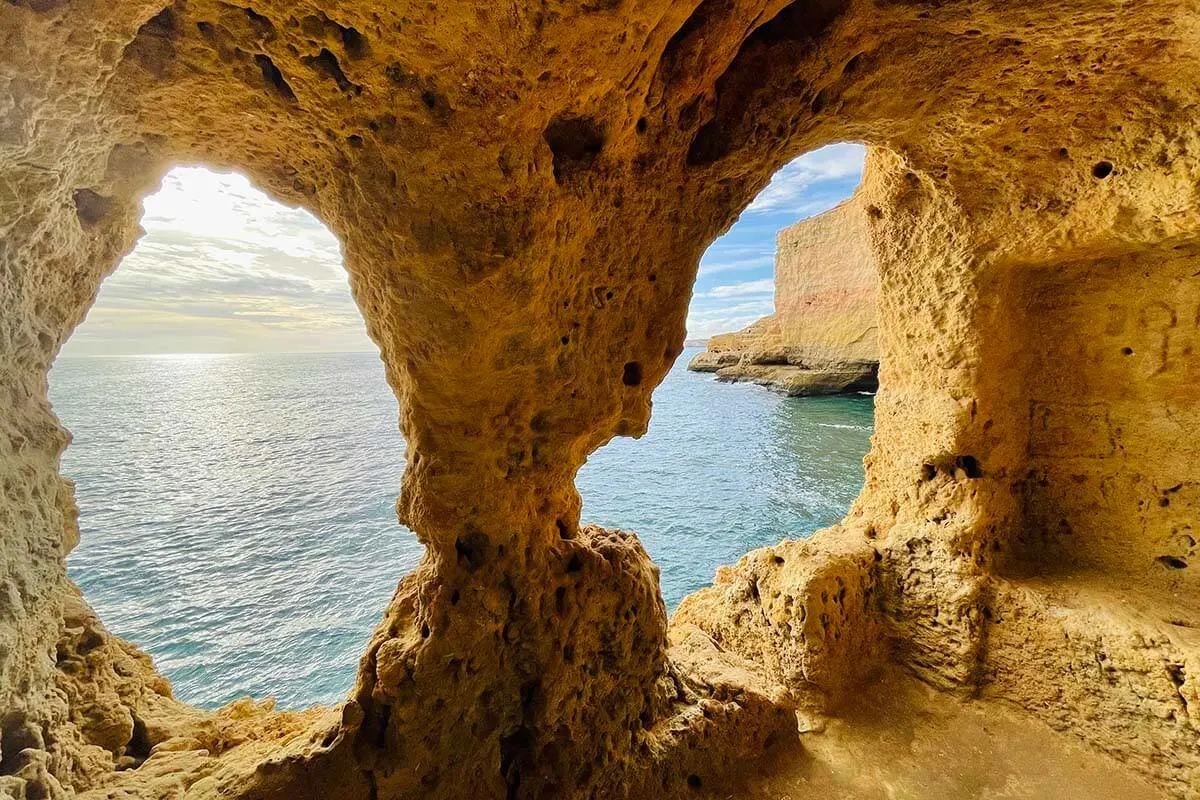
x: 529, y: 654
x: 235, y: 452
x: 784, y: 299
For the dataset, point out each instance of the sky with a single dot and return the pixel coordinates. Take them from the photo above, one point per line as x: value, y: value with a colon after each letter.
x: 222, y: 268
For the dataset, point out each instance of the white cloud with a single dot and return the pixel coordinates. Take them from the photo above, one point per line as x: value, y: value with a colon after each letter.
x: 764, y: 286
x: 223, y: 268
x: 702, y: 329
x: 727, y: 262
x: 760, y: 308
x: 792, y: 188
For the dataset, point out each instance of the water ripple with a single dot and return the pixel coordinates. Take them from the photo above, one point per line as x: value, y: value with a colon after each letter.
x: 237, y: 512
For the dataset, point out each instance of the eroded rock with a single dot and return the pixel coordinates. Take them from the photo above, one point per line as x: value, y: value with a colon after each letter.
x: 523, y: 193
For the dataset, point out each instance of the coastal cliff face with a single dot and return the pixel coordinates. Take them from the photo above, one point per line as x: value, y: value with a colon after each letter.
x: 823, y: 336
x: 523, y: 194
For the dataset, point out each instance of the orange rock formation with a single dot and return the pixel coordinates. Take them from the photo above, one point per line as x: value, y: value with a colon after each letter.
x: 523, y: 192
x: 823, y: 336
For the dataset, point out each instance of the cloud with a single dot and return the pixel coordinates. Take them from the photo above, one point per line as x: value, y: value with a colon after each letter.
x: 729, y: 262
x: 702, y: 329
x: 764, y: 286
x: 223, y: 268
x: 806, y: 185
x: 757, y: 307
x: 705, y: 322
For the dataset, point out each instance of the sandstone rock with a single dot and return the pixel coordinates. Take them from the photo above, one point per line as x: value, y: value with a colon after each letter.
x: 827, y: 287
x: 803, y: 381
x: 822, y: 338
x: 523, y: 192
x: 805, y: 610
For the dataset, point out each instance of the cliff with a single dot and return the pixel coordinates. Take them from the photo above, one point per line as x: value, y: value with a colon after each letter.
x: 523, y: 193
x: 822, y: 338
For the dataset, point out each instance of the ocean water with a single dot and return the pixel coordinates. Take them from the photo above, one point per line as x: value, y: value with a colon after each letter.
x: 237, y: 512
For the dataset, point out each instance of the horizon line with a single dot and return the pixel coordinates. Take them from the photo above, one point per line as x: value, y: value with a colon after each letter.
x: 68, y: 356
x: 62, y: 356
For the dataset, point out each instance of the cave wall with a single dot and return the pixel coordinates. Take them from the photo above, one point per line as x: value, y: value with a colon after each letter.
x: 522, y: 195
x: 1112, y: 343
x: 1101, y: 573
x: 1010, y: 538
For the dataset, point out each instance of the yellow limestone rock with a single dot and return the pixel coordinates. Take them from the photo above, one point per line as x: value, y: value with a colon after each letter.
x: 822, y: 338
x: 522, y: 192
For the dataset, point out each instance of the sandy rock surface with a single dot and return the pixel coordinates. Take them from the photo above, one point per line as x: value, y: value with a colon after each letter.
x: 523, y: 192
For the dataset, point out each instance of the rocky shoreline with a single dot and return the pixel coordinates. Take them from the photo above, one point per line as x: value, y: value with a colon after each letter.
x: 794, y: 380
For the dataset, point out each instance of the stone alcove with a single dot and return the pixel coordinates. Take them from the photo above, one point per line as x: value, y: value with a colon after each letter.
x: 503, y: 176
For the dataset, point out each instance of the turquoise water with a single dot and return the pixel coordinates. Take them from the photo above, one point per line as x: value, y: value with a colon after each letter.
x: 237, y: 512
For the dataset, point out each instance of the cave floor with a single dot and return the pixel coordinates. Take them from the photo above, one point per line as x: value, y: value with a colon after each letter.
x: 902, y: 740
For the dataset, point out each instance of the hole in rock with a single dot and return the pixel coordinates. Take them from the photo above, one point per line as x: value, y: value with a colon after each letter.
x: 262, y: 24
x: 153, y: 47
x: 326, y: 65
x: 1178, y: 675
x: 90, y: 206
x: 728, y: 466
x: 274, y: 77
x: 575, y: 143
x: 631, y: 374
x: 138, y: 747
x: 354, y: 42
x: 471, y: 549
x: 1102, y: 169
x: 236, y: 453
x: 17, y: 733
x: 515, y: 751
x: 969, y: 466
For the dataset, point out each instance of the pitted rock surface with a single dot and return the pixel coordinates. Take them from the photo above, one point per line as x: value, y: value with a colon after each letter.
x: 522, y: 193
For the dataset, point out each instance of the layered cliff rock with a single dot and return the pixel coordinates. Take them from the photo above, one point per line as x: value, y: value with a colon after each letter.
x: 523, y: 193
x: 822, y: 338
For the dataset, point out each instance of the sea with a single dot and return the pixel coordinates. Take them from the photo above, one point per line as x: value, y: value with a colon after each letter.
x: 238, y: 516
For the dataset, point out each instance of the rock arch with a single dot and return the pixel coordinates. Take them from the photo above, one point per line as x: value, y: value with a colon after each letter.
x: 504, y: 175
